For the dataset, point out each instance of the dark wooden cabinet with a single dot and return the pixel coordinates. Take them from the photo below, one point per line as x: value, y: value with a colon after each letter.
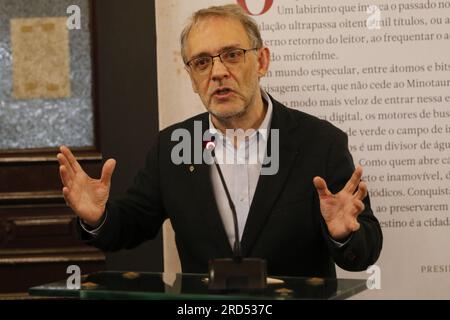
x: 37, y: 230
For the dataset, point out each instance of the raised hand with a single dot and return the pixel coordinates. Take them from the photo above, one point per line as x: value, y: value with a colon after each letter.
x: 340, y: 210
x: 86, y: 196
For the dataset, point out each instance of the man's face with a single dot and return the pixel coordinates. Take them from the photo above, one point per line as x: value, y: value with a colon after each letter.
x: 226, y: 92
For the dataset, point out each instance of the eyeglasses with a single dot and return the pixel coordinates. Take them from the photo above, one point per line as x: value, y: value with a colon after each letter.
x: 203, y: 65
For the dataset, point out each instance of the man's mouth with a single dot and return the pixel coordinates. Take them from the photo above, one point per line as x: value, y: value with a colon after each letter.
x: 223, y: 92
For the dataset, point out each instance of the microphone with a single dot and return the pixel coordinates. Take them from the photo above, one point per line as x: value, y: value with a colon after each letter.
x: 245, y: 274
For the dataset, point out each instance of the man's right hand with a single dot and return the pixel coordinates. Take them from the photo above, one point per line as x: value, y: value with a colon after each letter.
x: 86, y: 196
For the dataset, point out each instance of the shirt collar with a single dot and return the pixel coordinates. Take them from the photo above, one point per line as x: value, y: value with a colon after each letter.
x: 264, y: 128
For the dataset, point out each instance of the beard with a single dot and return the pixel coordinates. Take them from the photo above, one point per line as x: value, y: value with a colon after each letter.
x: 227, y: 115
x: 240, y: 108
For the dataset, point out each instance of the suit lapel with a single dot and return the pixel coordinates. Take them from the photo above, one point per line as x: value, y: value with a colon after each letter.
x: 270, y: 186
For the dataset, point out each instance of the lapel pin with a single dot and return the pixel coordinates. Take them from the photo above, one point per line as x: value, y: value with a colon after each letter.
x: 191, y: 168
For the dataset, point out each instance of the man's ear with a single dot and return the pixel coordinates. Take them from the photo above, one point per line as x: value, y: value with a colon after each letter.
x: 263, y: 61
x: 194, y: 85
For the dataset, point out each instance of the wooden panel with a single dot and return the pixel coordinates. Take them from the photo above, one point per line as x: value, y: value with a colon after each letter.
x: 25, y: 172
x: 38, y: 239
x: 19, y: 277
x: 40, y: 232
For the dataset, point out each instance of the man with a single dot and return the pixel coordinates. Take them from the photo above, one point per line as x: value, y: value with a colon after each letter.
x: 298, y: 221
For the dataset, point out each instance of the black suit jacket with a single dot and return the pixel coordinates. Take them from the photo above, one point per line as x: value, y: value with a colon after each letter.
x: 284, y: 224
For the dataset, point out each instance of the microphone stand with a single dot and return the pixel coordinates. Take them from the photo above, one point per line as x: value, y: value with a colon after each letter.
x: 238, y: 273
x: 237, y: 243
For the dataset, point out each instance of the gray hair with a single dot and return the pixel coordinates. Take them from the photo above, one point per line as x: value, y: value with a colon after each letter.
x: 231, y: 11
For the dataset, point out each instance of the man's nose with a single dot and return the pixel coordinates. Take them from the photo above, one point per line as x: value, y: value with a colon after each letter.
x: 219, y: 70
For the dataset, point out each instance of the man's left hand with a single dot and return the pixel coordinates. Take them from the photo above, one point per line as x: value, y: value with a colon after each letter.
x: 340, y: 210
